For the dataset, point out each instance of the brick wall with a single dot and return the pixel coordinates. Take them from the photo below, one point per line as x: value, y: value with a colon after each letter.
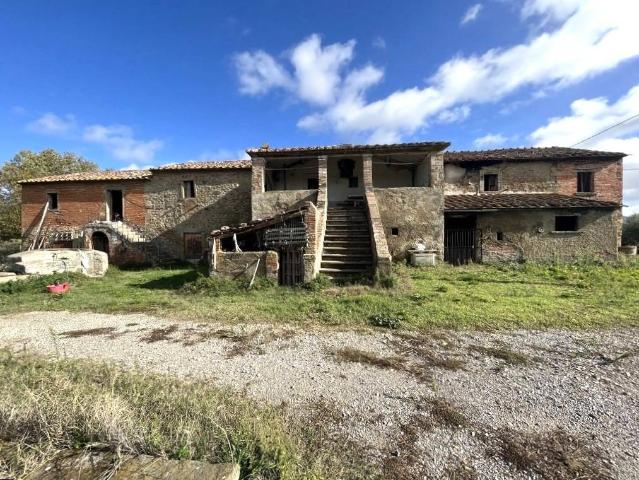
x: 539, y: 176
x: 78, y: 204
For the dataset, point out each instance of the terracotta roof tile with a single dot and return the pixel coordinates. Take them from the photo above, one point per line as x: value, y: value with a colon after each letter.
x: 347, y: 148
x: 546, y: 153
x: 106, y: 175
x: 492, y: 201
x: 218, y: 165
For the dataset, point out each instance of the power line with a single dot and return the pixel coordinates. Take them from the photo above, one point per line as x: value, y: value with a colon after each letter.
x: 606, y: 129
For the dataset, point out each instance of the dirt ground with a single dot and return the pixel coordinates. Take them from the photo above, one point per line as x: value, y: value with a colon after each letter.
x: 462, y: 405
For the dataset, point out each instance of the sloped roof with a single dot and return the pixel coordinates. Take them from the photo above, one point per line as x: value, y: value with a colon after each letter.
x: 217, y: 165
x: 532, y: 153
x: 499, y: 201
x: 259, y: 223
x: 347, y: 149
x: 102, y: 176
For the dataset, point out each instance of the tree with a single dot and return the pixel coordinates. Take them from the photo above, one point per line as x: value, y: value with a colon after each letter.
x: 25, y: 165
x: 630, y: 234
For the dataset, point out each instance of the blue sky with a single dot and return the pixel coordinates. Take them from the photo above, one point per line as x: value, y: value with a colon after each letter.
x: 151, y: 82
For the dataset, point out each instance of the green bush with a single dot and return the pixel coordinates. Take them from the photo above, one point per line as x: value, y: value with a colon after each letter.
x: 386, y: 320
x: 630, y: 234
x: 386, y: 281
x: 319, y: 283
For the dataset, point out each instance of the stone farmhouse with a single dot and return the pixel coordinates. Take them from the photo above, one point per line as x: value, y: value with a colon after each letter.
x: 343, y: 210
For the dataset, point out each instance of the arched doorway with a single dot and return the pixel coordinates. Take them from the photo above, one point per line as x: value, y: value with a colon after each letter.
x: 100, y: 242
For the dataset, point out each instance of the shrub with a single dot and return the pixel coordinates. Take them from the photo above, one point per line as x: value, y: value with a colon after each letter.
x: 319, y: 283
x: 386, y: 320
x: 386, y: 281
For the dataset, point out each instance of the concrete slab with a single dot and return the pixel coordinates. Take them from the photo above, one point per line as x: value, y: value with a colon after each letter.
x: 92, y: 263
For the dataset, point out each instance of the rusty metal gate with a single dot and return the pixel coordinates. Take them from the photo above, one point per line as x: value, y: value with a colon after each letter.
x: 462, y: 246
x: 291, y: 265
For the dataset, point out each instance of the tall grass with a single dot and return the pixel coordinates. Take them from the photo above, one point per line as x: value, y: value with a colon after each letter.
x: 47, y: 406
x: 475, y: 296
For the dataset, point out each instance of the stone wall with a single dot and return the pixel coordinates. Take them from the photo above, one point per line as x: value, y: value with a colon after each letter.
x: 223, y: 198
x: 537, y: 177
x: 529, y: 235
x: 242, y: 264
x: 269, y: 204
x: 78, y: 204
x: 418, y: 215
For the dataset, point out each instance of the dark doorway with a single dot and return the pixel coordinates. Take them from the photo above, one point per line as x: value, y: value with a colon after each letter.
x: 100, y: 242
x: 291, y: 266
x: 462, y: 239
x: 114, y: 199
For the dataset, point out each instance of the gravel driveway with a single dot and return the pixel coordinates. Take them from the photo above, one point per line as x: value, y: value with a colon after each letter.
x: 465, y: 405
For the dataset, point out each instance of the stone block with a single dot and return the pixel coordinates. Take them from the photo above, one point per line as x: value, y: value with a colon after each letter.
x: 91, y: 263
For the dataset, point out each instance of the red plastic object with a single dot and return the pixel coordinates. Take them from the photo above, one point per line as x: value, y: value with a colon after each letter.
x: 59, y: 288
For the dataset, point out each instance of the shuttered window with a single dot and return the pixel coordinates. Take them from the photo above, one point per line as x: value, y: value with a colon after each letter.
x: 193, y: 246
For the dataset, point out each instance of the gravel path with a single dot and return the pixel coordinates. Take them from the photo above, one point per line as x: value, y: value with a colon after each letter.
x: 523, y: 404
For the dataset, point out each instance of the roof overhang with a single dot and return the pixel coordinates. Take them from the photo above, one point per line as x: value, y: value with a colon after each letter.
x: 348, y: 149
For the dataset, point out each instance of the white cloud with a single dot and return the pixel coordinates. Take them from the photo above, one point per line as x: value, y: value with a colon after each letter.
x: 490, y: 141
x: 455, y: 114
x: 135, y: 166
x: 471, y: 14
x: 589, y: 37
x: 120, y: 142
x: 590, y: 116
x: 52, y: 124
x: 221, y: 154
x: 379, y: 42
x: 259, y: 72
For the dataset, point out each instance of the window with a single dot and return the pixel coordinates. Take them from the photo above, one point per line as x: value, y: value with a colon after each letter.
x: 312, y: 184
x: 52, y: 198
x: 500, y: 236
x: 491, y: 182
x: 394, y: 231
x: 353, y: 182
x: 193, y: 246
x: 566, y: 223
x: 585, y: 182
x: 188, y: 189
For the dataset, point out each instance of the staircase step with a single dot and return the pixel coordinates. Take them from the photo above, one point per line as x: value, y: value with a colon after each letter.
x: 347, y: 271
x: 343, y: 264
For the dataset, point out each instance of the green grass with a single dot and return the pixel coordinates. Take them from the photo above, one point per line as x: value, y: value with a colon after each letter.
x: 52, y: 405
x: 475, y: 296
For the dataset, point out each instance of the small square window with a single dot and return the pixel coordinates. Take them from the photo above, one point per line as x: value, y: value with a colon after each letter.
x: 312, y: 184
x: 52, y: 198
x: 585, y: 182
x: 500, y: 236
x: 566, y: 223
x: 394, y: 231
x: 353, y: 182
x: 188, y: 189
x: 491, y: 182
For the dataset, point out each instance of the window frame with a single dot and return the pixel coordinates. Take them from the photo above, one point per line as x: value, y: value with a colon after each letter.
x: 186, y: 190
x: 591, y: 185
x: 487, y: 175
x: 57, y: 201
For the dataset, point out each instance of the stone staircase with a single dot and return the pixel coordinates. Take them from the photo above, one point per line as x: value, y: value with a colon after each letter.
x: 155, y: 249
x: 347, y: 249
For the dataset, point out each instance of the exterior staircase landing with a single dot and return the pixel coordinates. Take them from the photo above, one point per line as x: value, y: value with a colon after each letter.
x: 347, y: 249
